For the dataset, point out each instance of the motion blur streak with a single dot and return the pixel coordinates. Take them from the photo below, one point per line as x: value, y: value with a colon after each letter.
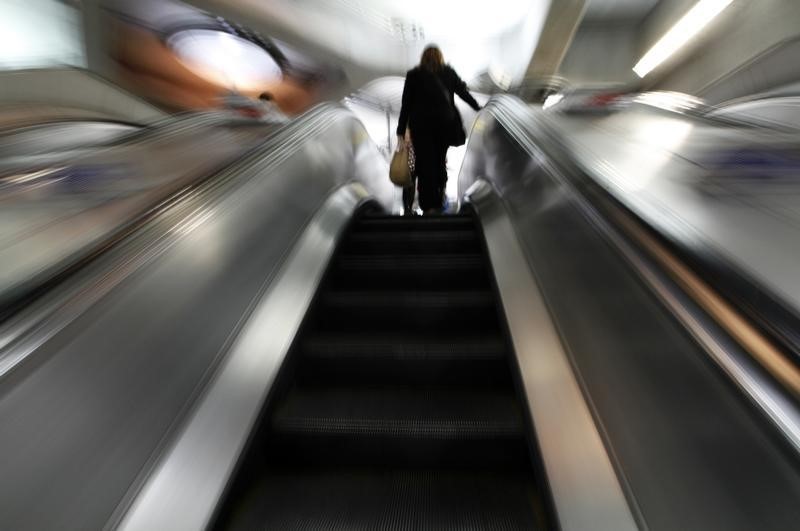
x: 218, y: 312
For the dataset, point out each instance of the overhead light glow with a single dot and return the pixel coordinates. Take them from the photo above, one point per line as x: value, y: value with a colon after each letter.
x: 500, y: 77
x: 551, y: 100
x: 682, y: 32
x: 226, y: 59
x: 669, y: 101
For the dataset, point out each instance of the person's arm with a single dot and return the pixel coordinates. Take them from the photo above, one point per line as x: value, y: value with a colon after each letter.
x: 460, y: 88
x: 402, y: 121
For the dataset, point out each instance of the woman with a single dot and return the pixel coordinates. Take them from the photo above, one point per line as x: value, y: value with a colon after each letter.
x: 429, y: 112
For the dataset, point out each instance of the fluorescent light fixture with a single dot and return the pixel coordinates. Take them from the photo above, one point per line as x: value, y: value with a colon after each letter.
x: 682, y: 32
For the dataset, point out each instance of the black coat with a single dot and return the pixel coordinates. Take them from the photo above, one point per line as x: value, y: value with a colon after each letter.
x: 428, y: 99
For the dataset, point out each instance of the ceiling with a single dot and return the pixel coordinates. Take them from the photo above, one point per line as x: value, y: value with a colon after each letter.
x: 385, y: 37
x: 613, y: 10
x: 482, y: 39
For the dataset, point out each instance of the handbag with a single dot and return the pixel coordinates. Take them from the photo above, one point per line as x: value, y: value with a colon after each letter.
x: 401, y: 168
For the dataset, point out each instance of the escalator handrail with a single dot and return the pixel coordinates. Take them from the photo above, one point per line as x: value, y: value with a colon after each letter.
x: 775, y: 396
x: 84, y: 282
x: 586, y: 491
x: 184, y: 487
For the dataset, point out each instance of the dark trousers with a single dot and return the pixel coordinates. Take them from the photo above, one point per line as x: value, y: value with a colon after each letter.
x: 408, y: 195
x: 430, y: 149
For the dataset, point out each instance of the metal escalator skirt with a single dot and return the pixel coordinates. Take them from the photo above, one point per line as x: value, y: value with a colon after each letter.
x: 183, y: 490
x: 585, y: 489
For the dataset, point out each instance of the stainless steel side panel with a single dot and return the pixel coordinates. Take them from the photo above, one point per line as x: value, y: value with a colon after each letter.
x: 728, y: 193
x: 185, y: 487
x: 584, y: 486
x: 689, y: 449
x: 91, y: 409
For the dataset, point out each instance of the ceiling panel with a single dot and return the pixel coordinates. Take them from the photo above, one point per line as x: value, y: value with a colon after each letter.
x: 387, y: 36
x: 609, y: 10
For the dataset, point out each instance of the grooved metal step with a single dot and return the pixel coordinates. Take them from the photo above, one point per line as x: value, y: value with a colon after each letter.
x: 410, y: 272
x: 418, y: 300
x: 394, y: 425
x: 416, y: 263
x: 477, y: 362
x: 392, y: 223
x: 429, y: 241
x: 397, y: 408
x: 366, y: 499
x: 409, y: 311
x: 408, y: 412
x: 455, y: 348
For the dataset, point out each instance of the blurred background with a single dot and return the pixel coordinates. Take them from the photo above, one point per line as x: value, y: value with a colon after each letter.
x: 182, y: 54
x: 203, y: 55
x: 615, y: 301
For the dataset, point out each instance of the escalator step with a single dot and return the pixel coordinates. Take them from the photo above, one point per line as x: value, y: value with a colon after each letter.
x: 464, y: 271
x: 457, y: 348
x: 397, y: 407
x: 409, y: 242
x: 361, y: 500
x: 404, y: 262
x: 389, y: 223
x: 432, y: 413
x: 477, y: 362
x: 474, y: 373
x: 409, y: 311
x: 398, y: 426
x: 418, y: 300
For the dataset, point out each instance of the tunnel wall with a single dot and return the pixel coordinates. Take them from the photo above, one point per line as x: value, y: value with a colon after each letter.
x: 73, y: 89
x: 752, y: 49
x: 601, y: 54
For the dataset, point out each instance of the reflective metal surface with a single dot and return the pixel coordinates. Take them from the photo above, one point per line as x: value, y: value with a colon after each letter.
x: 60, y: 137
x: 689, y: 448
x: 585, y: 489
x: 105, y: 385
x: 66, y: 204
x: 726, y: 194
x: 183, y: 490
x: 751, y: 358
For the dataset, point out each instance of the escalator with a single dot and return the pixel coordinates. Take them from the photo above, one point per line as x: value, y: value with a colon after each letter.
x: 397, y: 406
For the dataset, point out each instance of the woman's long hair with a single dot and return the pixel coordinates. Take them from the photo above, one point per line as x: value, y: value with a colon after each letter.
x: 432, y: 59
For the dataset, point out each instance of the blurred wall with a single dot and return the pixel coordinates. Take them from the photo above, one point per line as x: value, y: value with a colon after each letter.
x: 751, y: 48
x: 661, y: 19
x: 145, y: 63
x: 40, y: 33
x: 601, y: 54
x: 79, y: 93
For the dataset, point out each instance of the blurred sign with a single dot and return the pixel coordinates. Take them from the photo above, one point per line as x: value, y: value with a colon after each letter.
x: 756, y: 163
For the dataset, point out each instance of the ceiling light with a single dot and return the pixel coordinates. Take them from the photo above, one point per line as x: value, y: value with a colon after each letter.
x: 682, y: 32
x: 552, y: 99
x: 229, y: 60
